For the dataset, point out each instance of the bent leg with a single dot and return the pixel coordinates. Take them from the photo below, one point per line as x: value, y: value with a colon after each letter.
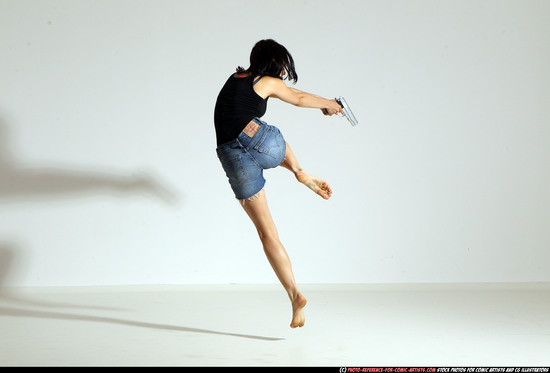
x: 290, y: 162
x: 258, y: 211
x: 317, y: 185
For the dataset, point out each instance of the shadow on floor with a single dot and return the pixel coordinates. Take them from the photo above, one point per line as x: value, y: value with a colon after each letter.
x: 8, y: 261
x: 17, y: 312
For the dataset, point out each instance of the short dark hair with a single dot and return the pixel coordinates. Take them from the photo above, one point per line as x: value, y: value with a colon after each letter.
x: 269, y: 58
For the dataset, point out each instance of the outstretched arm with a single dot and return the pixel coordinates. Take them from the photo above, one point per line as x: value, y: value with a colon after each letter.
x: 324, y: 110
x: 276, y: 88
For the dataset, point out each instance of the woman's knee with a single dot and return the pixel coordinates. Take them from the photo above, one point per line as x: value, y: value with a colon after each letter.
x: 268, y: 235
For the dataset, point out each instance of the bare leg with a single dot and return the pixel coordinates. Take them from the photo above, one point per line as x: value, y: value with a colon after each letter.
x: 317, y: 185
x: 259, y: 213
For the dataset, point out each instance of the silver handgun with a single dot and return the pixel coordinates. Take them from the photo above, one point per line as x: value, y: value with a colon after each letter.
x: 347, y: 111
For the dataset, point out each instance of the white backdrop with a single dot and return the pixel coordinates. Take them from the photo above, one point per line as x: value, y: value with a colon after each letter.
x: 108, y: 173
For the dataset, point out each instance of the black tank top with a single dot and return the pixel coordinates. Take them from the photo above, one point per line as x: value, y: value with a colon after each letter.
x: 237, y: 104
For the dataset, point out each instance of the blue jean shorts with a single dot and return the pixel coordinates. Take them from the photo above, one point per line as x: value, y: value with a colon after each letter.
x: 245, y: 158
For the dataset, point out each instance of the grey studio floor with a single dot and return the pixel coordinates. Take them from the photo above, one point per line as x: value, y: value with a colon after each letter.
x: 248, y: 325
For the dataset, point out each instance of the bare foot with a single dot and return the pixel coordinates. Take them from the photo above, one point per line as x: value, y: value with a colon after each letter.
x: 298, y: 316
x: 319, y: 186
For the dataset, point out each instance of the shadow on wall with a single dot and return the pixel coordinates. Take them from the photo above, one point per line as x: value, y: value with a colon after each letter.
x: 7, y: 260
x: 20, y: 184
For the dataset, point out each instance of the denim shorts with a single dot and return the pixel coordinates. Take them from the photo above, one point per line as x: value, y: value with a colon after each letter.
x: 245, y: 158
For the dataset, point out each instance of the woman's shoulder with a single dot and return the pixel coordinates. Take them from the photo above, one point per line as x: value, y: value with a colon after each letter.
x: 268, y: 85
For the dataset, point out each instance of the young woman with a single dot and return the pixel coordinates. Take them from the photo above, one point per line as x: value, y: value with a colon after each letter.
x: 246, y: 146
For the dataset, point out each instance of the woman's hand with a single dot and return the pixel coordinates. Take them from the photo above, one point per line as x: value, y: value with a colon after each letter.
x: 333, y: 108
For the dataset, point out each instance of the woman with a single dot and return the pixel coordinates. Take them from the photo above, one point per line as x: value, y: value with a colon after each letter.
x: 247, y: 145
